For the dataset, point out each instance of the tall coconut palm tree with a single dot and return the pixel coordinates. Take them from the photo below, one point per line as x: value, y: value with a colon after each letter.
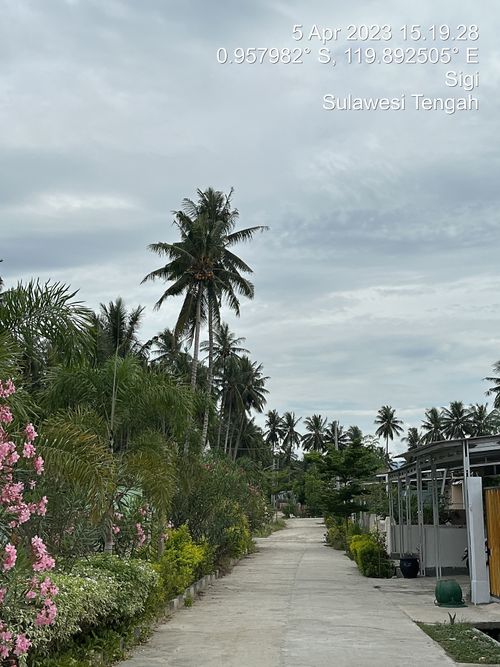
x: 204, y: 269
x: 412, y: 438
x: 432, y: 426
x: 389, y: 425
x: 456, y: 421
x: 315, y: 438
x: 291, y: 437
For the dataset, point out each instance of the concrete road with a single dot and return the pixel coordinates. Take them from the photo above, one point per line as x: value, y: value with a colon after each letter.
x: 295, y: 603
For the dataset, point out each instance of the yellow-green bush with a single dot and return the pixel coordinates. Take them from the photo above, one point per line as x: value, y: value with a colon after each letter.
x: 370, y: 555
x: 183, y: 562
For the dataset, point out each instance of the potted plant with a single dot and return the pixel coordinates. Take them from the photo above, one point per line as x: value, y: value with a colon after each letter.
x: 409, y: 565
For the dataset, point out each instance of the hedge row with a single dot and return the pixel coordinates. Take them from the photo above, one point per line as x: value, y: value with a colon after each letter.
x: 107, y: 593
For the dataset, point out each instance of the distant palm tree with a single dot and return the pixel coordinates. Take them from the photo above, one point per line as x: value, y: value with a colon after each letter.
x: 432, y: 426
x: 291, y: 437
x: 315, y: 438
x: 274, y: 430
x: 495, y: 390
x: 334, y: 432
x: 117, y: 329
x: 225, y: 346
x: 246, y: 392
x: 389, y: 425
x: 483, y: 421
x: 456, y: 421
x: 412, y: 438
x: 354, y: 435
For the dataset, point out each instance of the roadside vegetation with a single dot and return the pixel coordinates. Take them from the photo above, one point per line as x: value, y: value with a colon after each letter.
x: 464, y: 643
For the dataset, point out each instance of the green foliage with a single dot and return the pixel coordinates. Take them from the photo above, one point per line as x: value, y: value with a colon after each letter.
x: 182, y: 563
x: 270, y: 528
x: 103, y: 591
x: 338, y: 533
x: 368, y: 551
x: 314, y: 489
x: 221, y: 505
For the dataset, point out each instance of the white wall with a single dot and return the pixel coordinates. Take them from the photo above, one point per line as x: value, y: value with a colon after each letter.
x: 452, y: 542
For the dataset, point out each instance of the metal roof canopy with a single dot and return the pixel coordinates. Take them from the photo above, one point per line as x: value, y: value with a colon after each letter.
x: 431, y: 464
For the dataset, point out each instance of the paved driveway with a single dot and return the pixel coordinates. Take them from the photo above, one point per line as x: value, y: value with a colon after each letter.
x: 295, y: 603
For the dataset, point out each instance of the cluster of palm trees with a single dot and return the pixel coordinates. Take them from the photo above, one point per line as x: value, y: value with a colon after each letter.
x: 283, y: 438
x: 448, y: 423
x: 202, y: 268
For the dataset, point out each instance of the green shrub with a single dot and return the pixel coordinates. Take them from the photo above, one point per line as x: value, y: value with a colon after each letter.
x: 101, y: 592
x: 370, y: 555
x: 335, y: 536
x: 339, y: 535
x: 183, y: 562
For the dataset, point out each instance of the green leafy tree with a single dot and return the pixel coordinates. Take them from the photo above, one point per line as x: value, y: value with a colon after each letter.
x: 345, y: 473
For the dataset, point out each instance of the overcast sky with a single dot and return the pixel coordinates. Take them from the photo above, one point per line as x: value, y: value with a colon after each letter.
x: 378, y: 282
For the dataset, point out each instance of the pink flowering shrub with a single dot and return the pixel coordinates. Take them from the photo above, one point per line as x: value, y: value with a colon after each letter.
x: 132, y: 527
x: 26, y: 597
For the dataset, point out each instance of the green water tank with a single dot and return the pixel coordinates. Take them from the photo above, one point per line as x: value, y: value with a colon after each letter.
x: 449, y: 594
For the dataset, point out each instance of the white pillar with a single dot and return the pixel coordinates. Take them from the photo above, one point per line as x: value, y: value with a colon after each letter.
x: 479, y: 577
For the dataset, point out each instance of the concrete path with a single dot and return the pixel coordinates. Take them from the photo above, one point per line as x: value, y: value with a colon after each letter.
x: 295, y: 603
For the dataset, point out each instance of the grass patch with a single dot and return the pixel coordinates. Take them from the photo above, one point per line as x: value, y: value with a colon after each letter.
x: 463, y: 642
x: 270, y: 528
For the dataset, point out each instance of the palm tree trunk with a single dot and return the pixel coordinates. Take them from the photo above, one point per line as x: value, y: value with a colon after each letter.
x: 194, y: 369
x: 238, y: 438
x: 226, y: 441
x: 221, y: 417
x: 196, y: 350
x: 108, y: 532
x: 210, y: 376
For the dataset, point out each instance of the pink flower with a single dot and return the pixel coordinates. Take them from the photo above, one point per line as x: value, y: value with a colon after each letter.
x: 42, y: 507
x: 47, y: 588
x: 141, y: 537
x: 48, y: 614
x: 29, y: 450
x: 39, y: 465
x: 116, y: 530
x: 43, y: 561
x: 31, y: 434
x: 30, y: 595
x: 5, y: 414
x: 22, y: 645
x: 7, y: 389
x: 10, y: 557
